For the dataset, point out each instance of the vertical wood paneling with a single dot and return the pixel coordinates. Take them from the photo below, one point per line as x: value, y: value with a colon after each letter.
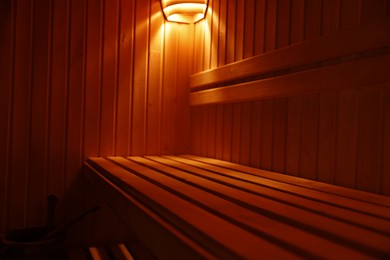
x: 283, y: 23
x: 267, y: 132
x: 219, y: 132
x: 21, y: 116
x: 7, y: 26
x: 297, y: 21
x: 86, y: 78
x: 182, y: 124
x: 125, y: 66
x: 155, y: 83
x: 330, y: 16
x: 327, y: 137
x: 349, y: 13
x: 227, y: 131
x: 271, y: 9
x: 204, y: 131
x: 256, y: 134
x: 214, y: 9
x: 279, y: 134
x: 230, y: 31
x: 346, y: 139
x: 293, y: 142
x: 368, y: 153
x: 39, y: 112
x: 385, y: 176
x: 236, y: 133
x: 245, y: 133
x: 372, y: 10
x: 211, y: 125
x: 93, y: 78
x: 222, y: 32
x: 239, y: 39
x: 138, y: 126
x: 249, y: 24
x: 259, y: 32
x: 308, y: 152
x: 313, y: 11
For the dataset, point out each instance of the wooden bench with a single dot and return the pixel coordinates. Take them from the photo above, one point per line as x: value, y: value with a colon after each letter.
x: 192, y: 207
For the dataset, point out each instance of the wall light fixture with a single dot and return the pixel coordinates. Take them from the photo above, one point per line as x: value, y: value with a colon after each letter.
x: 184, y: 11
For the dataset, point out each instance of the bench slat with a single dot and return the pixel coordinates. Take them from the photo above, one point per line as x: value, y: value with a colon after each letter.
x: 222, y: 237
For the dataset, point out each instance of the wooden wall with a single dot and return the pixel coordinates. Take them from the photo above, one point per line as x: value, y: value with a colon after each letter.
x: 84, y: 78
x: 340, y: 136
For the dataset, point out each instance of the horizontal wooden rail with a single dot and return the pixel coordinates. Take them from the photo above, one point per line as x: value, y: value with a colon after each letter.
x: 199, y: 207
x: 344, y: 43
x: 367, y: 72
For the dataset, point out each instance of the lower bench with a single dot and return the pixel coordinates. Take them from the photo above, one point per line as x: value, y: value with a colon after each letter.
x: 192, y: 207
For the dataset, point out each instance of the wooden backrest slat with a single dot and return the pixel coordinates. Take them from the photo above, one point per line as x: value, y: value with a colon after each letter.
x: 347, y: 42
x: 364, y: 73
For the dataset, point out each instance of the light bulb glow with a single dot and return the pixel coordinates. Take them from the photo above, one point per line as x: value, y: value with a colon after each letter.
x: 184, y: 11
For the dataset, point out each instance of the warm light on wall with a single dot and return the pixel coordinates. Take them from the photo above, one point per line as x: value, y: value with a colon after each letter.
x: 184, y: 11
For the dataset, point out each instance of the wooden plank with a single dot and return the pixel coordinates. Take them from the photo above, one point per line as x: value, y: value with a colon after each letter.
x: 98, y: 253
x: 309, y: 137
x: 196, y: 119
x: 279, y: 135
x: 239, y: 37
x: 256, y: 129
x: 385, y: 175
x: 40, y: 107
x: 17, y: 185
x: 214, y: 5
x: 204, y: 131
x: 270, y: 25
x: 93, y: 79
x: 236, y: 132
x: 141, y: 50
x: 293, y: 138
x: 249, y: 28
x: 349, y: 13
x: 233, y: 211
x: 283, y: 23
x: 58, y: 105
x: 327, y: 137
x: 211, y: 131
x: 168, y: 127
x: 182, y: 120
x: 330, y: 16
x: 372, y: 10
x: 366, y: 37
x: 125, y: 77
x: 222, y: 32
x: 259, y: 33
x: 366, y: 72
x: 369, y: 140
x: 245, y: 133
x: 75, y: 112
x: 146, y: 223
x: 7, y: 47
x: 267, y: 131
x: 347, y: 139
x: 230, y: 31
x: 204, y: 227
x: 207, y: 41
x: 352, y: 199
x: 219, y: 132
x: 297, y: 21
x: 120, y: 252
x: 110, y: 77
x: 238, y: 192
x: 227, y: 131
x: 313, y: 16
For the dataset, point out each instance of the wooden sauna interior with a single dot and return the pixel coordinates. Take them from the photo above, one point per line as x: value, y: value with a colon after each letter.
x: 90, y: 78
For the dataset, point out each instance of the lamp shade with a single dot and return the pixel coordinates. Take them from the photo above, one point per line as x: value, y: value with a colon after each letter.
x: 184, y: 11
